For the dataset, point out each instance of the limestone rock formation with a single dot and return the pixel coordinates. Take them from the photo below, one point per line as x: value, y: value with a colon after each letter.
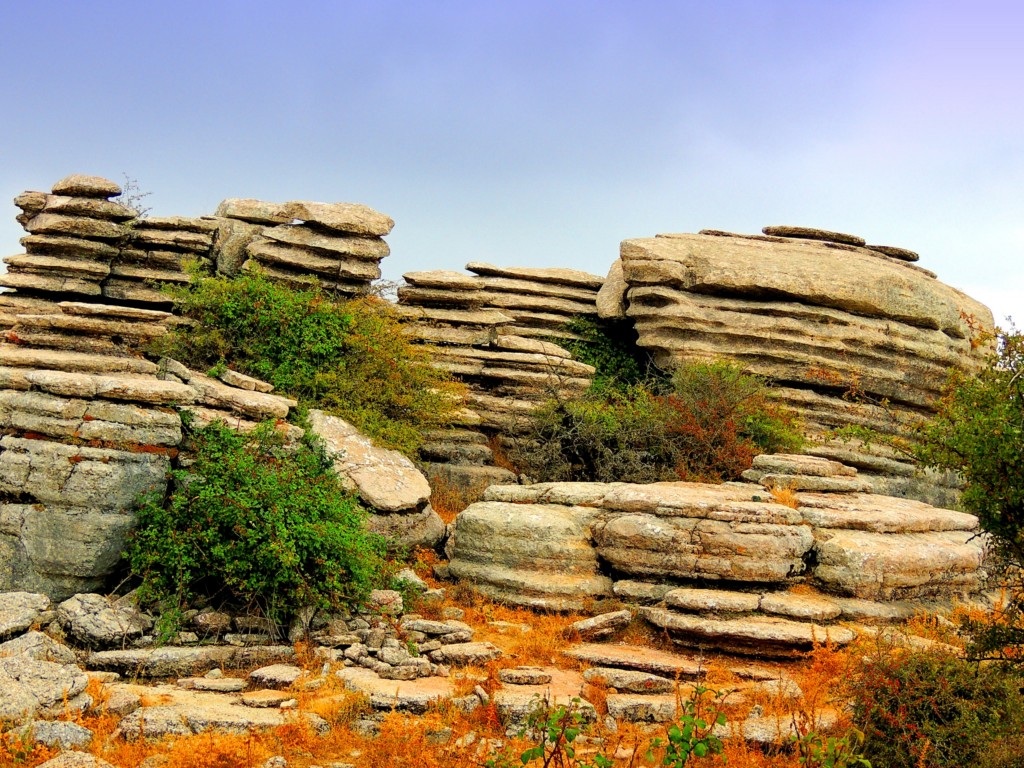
x: 390, y: 484
x: 817, y: 313
x: 724, y: 566
x: 339, y: 245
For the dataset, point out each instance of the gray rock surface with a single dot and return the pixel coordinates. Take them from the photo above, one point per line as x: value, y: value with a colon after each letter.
x: 28, y: 686
x: 96, y: 622
x: 19, y: 611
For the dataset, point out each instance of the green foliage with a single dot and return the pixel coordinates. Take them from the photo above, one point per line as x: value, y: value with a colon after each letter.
x: 816, y: 750
x: 708, y: 426
x: 693, y: 735
x: 979, y: 432
x: 933, y: 709
x: 257, y: 522
x: 554, y: 731
x: 350, y: 358
x: 610, y: 346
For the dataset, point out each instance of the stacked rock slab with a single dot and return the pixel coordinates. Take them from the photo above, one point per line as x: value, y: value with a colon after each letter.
x: 340, y: 245
x: 820, y: 314
x: 90, y: 427
x: 507, y: 374
x: 83, y: 245
x: 156, y: 253
x: 540, y: 300
x: 724, y: 566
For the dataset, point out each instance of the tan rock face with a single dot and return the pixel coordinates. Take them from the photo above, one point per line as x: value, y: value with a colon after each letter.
x: 385, y: 479
x: 79, y: 185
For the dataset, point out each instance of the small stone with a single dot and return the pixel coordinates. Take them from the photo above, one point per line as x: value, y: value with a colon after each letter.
x: 59, y: 733
x: 810, y: 233
x: 276, y: 675
x: 628, y: 681
x: 409, y: 577
x: 456, y: 614
x: 525, y: 676
x: 214, y: 674
x: 212, y: 622
x: 482, y: 694
x: 265, y: 698
x: 601, y: 626
x: 461, y: 654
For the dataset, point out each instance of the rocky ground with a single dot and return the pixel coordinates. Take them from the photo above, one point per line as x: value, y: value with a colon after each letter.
x: 448, y: 680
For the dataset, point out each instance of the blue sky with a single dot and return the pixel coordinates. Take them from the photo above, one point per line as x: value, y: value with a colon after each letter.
x: 543, y: 133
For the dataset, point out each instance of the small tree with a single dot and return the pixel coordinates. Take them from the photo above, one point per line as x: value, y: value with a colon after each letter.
x: 979, y: 432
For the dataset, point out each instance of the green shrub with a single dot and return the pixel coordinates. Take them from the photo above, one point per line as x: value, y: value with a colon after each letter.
x: 979, y: 433
x: 934, y: 709
x: 258, y: 523
x: 707, y: 427
x: 350, y: 358
x: 611, y: 347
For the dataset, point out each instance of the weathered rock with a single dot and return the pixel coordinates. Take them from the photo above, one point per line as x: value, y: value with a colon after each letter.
x: 74, y: 226
x: 665, y: 663
x: 602, y: 626
x: 72, y: 475
x: 897, y: 253
x: 40, y: 647
x: 752, y: 635
x: 799, y: 464
x: 881, y: 514
x: 385, y: 479
x: 461, y: 654
x: 874, y: 565
x: 60, y: 733
x: 350, y: 246
x: 611, y: 299
x: 75, y: 760
x: 813, y: 234
x: 80, y: 185
x: 800, y: 606
x: 525, y: 676
x: 96, y: 622
x: 628, y: 680
x: 28, y: 686
x: 184, y: 712
x: 254, y: 211
x: 536, y: 555
x: 414, y: 696
x: 557, y: 276
x: 276, y: 675
x: 265, y: 699
x: 351, y: 218
x: 19, y: 611
x: 712, y: 600
x: 91, y: 207
x: 173, y: 661
x: 634, y: 708
x: 640, y: 591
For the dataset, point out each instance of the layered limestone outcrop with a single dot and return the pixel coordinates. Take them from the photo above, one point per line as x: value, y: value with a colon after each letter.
x: 820, y: 314
x: 89, y: 425
x: 724, y: 566
x: 488, y: 330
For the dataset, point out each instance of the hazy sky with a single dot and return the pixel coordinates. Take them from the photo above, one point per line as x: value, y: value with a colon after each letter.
x: 543, y: 133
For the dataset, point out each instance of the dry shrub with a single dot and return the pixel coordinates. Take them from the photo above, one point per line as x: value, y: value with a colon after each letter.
x: 785, y: 496
x: 448, y: 499
x: 500, y: 456
x: 217, y: 750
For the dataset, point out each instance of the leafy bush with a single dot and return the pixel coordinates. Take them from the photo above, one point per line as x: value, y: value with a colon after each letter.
x: 611, y: 347
x: 933, y: 709
x: 979, y: 432
x: 349, y: 358
x: 707, y: 427
x: 256, y: 522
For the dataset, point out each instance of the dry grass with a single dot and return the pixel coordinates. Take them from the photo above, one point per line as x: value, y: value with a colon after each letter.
x: 785, y: 496
x: 448, y: 499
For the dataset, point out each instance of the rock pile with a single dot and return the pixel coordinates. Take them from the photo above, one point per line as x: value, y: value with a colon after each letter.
x: 83, y: 245
x: 782, y: 576
x: 819, y: 314
x: 338, y: 244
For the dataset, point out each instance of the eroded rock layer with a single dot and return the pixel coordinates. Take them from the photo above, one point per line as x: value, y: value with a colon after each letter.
x: 851, y: 335
x: 725, y: 566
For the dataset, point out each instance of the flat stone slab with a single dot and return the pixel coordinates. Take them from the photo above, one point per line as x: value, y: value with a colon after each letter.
x: 276, y: 675
x: 214, y: 685
x: 179, y: 712
x: 462, y: 654
x: 880, y: 514
x: 637, y: 708
x: 629, y: 680
x: 265, y: 698
x: 800, y: 464
x: 525, y: 676
x: 178, y: 661
x: 601, y: 626
x: 666, y: 663
x: 19, y: 611
x: 751, y: 635
x: 514, y: 705
x: 413, y: 696
x: 810, y: 233
x: 714, y: 600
